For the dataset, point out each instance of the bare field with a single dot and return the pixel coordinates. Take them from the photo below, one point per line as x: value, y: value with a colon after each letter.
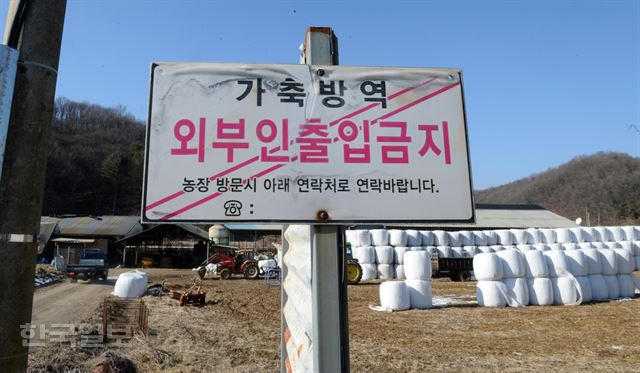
x: 239, y: 329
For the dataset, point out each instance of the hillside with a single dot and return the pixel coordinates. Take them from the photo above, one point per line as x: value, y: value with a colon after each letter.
x: 605, y: 184
x: 95, y: 160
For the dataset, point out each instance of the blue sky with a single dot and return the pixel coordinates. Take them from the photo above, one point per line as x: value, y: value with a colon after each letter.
x: 545, y: 81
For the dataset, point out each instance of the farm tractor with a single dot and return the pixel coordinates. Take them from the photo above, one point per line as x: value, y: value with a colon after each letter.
x: 241, y: 262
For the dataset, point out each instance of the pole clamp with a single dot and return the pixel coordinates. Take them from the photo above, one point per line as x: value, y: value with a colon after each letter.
x: 21, y: 238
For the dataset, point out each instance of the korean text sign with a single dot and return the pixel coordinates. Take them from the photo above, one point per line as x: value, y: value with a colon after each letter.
x: 280, y: 143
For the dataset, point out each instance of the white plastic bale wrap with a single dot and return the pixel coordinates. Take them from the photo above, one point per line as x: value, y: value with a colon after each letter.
x: 131, y: 284
x: 430, y: 250
x: 267, y: 263
x: 636, y: 248
x: 535, y: 264
x: 585, y: 245
x: 577, y: 263
x: 384, y: 254
x: 557, y: 263
x: 598, y: 245
x: 624, y: 261
x: 613, y: 288
x: 379, y: 237
x: 349, y: 236
x: 520, y: 236
x: 394, y: 295
x: 467, y: 238
x: 457, y: 252
x: 365, y: 254
x: 420, y: 296
x: 479, y: 238
x: 637, y: 260
x: 626, y: 285
x: 399, y: 272
x: 428, y: 239
x: 414, y: 238
x: 470, y: 251
x: 491, y: 294
x: 417, y: 265
x: 513, y: 265
x: 485, y: 249
x: 444, y: 251
x: 548, y: 235
x: 455, y: 239
x: 361, y: 237
x: 417, y: 248
x: 565, y: 291
x: 492, y: 237
x: 541, y: 247
x: 517, y: 292
x: 573, y: 246
x: 505, y: 237
x: 441, y: 238
x: 609, y: 262
x: 397, y: 237
x: 385, y: 271
x: 398, y: 254
x: 629, y: 233
x: 585, y: 288
x: 534, y: 236
x: 487, y: 267
x: 578, y: 234
x: 540, y: 291
x: 627, y: 245
x: 369, y: 271
x: 497, y: 248
x: 598, y: 287
x: 564, y: 235
x: 555, y: 246
x: 612, y: 245
x: 594, y: 261
x: 602, y: 234
x: 616, y: 233
x: 525, y: 247
x: 588, y: 234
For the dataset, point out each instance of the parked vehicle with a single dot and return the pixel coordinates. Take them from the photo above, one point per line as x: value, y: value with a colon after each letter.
x: 457, y: 269
x: 93, y: 264
x: 241, y: 262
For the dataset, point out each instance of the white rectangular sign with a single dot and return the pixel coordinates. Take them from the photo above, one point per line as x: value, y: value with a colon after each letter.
x: 300, y: 143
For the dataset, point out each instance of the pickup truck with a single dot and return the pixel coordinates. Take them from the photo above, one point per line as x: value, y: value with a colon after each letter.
x: 93, y: 265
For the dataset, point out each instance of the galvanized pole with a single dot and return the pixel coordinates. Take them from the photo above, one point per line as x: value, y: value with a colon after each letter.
x: 23, y: 170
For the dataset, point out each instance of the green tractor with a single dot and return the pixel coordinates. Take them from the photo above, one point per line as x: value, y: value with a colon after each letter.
x: 354, y: 270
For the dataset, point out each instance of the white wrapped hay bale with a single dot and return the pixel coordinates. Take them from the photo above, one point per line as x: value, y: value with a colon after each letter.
x: 397, y: 237
x: 444, y: 251
x: 455, y: 239
x: 485, y: 249
x: 470, y: 251
x: 379, y: 237
x: 578, y: 234
x: 420, y: 296
x: 555, y: 246
x: 629, y: 233
x: 624, y: 261
x: 598, y: 245
x: 541, y: 247
x: 267, y: 263
x: 359, y: 237
x: 417, y: 265
x: 637, y: 260
x: 548, y: 235
x: 428, y: 238
x: 487, y: 267
x: 430, y: 249
x: 491, y: 294
x: 414, y: 238
x: 385, y: 271
x: 601, y: 234
x: 457, y: 252
x: 627, y: 245
x: 394, y: 295
x: 369, y: 271
x: 565, y: 291
x: 365, y: 254
x: 399, y: 272
x: 417, y: 248
x: 512, y: 263
x: 585, y: 245
x: 384, y: 254
x: 131, y: 284
x: 557, y: 263
x: 534, y: 236
x: 587, y: 234
x: 525, y: 247
x: 535, y: 264
x: 613, y: 288
x: 584, y: 286
x: 349, y: 236
x: 564, y: 235
x: 616, y: 233
x: 492, y: 237
x: 577, y: 263
x: 497, y: 248
x: 594, y: 261
x: 572, y: 246
x: 467, y: 238
x: 635, y: 247
x: 441, y: 238
x: 479, y: 238
x: 520, y: 236
x: 540, y: 291
x: 517, y: 292
x: 505, y: 237
x: 598, y: 288
x: 612, y: 245
x: 398, y: 254
x: 609, y: 262
x: 626, y: 286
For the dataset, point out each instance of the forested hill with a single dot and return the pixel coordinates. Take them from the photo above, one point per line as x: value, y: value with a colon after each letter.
x: 607, y: 184
x: 95, y: 161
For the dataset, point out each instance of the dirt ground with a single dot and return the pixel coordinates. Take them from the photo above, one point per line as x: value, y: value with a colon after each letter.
x: 238, y: 331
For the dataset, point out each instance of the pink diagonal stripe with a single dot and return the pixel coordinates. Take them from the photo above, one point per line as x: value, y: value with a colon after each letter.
x: 361, y: 110
x: 191, y: 205
x: 416, y: 102
x: 165, y: 199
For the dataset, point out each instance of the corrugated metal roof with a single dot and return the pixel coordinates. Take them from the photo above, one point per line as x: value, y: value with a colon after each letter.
x: 101, y: 226
x: 46, y: 230
x: 195, y: 230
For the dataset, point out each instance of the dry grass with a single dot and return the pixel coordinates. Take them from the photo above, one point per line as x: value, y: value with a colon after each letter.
x: 240, y: 333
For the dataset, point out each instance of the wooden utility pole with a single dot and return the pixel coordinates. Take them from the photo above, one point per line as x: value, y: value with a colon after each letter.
x: 38, y: 35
